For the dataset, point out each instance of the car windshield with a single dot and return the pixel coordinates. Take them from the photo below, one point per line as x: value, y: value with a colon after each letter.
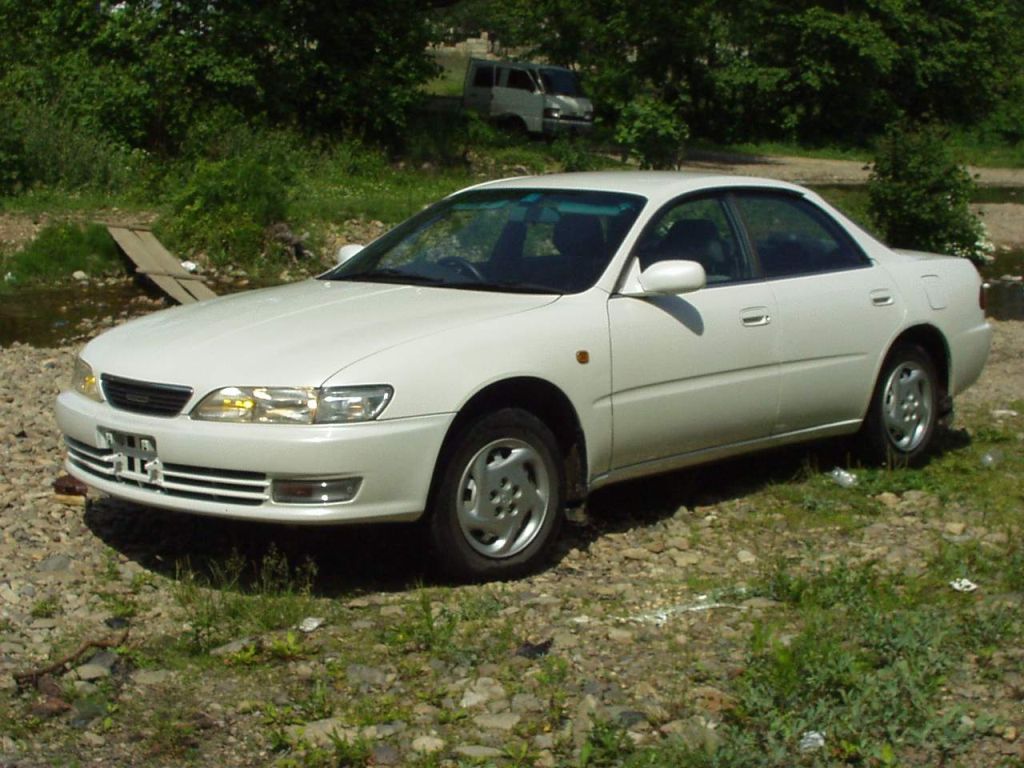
x: 516, y: 240
x: 561, y: 82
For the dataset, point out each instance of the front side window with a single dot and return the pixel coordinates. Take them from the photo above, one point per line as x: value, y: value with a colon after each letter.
x: 543, y: 241
x: 561, y: 82
x: 697, y: 230
x: 520, y: 79
x: 794, y: 237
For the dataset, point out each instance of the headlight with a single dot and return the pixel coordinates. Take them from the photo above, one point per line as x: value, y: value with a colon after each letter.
x: 345, y: 404
x: 294, y: 405
x: 84, y: 381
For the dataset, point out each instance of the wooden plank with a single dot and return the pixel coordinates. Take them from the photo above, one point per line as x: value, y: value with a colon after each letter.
x: 166, y: 261
x: 139, y: 254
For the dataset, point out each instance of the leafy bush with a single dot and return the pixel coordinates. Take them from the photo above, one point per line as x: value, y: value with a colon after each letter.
x: 61, y: 249
x: 40, y: 146
x: 573, y: 154
x: 227, y: 204
x: 919, y: 194
x: 650, y: 129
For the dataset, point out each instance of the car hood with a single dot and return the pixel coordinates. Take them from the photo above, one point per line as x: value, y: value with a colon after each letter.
x: 295, y: 335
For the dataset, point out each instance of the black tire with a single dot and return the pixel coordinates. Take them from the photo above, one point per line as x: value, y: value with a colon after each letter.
x: 904, y: 410
x: 506, y: 465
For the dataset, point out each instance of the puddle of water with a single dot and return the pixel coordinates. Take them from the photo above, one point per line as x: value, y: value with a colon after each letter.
x: 47, y: 317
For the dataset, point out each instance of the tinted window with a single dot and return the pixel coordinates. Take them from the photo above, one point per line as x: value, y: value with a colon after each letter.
x: 794, y: 237
x: 561, y: 82
x: 551, y: 241
x: 697, y: 230
x: 484, y: 77
x: 520, y: 78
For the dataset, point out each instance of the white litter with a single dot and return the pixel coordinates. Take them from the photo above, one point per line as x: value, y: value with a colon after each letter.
x: 311, y: 624
x: 189, y: 266
x: 963, y: 585
x: 660, y: 617
x: 991, y: 459
x: 843, y: 478
x: 812, y: 741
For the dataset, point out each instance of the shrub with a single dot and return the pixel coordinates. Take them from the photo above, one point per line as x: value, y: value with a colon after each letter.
x: 61, y: 249
x: 919, y: 195
x: 650, y: 129
x: 227, y: 204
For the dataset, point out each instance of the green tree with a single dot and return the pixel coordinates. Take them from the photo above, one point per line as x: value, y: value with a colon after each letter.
x: 919, y: 194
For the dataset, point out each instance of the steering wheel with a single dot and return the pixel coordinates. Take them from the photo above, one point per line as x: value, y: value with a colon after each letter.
x: 463, y: 266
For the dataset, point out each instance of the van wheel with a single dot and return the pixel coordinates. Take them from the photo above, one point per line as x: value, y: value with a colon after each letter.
x: 497, y: 508
x: 904, y: 408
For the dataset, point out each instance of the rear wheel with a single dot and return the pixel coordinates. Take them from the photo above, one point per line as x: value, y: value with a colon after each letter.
x: 497, y: 507
x: 904, y: 408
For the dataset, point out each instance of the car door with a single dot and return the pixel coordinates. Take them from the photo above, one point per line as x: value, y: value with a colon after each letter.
x: 699, y: 370
x: 836, y: 309
x: 516, y: 93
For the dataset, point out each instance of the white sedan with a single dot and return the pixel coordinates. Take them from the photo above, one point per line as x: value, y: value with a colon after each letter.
x: 519, y: 344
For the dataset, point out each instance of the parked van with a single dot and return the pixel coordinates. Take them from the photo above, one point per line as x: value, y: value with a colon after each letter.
x: 537, y: 98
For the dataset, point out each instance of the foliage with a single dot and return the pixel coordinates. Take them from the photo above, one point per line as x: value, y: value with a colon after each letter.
x: 919, y: 194
x: 238, y: 597
x: 61, y: 249
x: 650, y: 129
x: 143, y: 73
x: 227, y: 204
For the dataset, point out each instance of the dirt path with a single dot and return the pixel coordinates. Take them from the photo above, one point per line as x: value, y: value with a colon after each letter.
x: 808, y: 170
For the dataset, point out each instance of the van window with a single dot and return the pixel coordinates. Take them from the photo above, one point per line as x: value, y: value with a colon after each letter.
x: 520, y: 78
x: 484, y: 77
x: 561, y: 82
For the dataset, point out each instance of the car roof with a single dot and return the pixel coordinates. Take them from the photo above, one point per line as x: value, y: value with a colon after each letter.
x: 650, y: 184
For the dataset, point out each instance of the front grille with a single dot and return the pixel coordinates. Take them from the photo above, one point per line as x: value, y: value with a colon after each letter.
x: 181, y: 480
x: 145, y: 397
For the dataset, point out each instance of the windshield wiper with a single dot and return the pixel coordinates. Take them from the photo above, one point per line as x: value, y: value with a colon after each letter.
x: 510, y: 286
x: 391, y: 275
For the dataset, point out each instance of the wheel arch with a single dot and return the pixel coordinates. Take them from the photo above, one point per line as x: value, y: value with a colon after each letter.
x: 545, y: 401
x: 932, y: 341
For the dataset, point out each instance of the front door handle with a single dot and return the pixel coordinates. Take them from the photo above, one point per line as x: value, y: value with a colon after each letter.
x: 752, y: 317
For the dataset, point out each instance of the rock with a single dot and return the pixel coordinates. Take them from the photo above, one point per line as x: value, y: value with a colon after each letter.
x: 360, y: 674
x: 80, y: 276
x: 104, y: 659
x: 427, y: 745
x: 481, y: 691
x: 235, y: 646
x: 621, y: 636
x: 955, y: 528
x: 93, y: 739
x: 888, y: 499
x: 7, y: 683
x: 89, y: 672
x: 385, y: 754
x: 636, y: 553
x: 152, y: 676
x: 712, y: 700
x: 319, y: 733
x: 504, y: 721
x: 746, y: 557
x: 695, y: 733
x: 54, y: 564
x: 1010, y: 733
x: 478, y: 752
x: 526, y: 702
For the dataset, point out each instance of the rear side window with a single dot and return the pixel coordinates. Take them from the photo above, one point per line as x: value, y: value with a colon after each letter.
x: 484, y: 77
x: 794, y: 237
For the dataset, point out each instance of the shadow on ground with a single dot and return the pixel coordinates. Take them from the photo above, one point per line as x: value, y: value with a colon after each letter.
x: 369, y: 558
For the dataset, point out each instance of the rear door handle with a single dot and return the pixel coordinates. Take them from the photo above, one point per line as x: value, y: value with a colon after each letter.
x: 752, y: 317
x: 882, y: 297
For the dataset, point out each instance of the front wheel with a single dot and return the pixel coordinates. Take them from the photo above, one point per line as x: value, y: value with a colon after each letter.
x: 497, y: 507
x: 904, y: 408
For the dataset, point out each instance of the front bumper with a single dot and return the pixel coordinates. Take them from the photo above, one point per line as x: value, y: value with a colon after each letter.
x: 567, y: 125
x: 228, y: 470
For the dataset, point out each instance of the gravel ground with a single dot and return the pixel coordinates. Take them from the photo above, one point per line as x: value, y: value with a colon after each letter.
x: 621, y: 612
